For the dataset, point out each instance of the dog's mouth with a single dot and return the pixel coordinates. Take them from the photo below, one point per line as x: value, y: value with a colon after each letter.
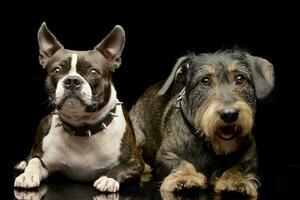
x: 228, y: 132
x: 70, y: 100
x: 72, y: 96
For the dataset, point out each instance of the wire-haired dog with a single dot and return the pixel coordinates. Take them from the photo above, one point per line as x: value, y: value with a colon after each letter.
x: 196, y: 126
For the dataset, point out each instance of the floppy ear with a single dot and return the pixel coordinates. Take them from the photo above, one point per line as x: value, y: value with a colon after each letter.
x: 178, y: 73
x: 112, y: 46
x: 263, y: 75
x: 48, y: 44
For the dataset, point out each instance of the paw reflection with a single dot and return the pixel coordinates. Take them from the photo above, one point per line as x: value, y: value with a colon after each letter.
x: 25, y: 194
x: 192, y: 194
x: 114, y: 196
x: 233, y: 196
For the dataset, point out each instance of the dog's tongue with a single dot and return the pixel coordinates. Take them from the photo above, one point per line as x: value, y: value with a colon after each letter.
x: 227, y: 132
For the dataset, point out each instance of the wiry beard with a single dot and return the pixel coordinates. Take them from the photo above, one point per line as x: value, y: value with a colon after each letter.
x: 225, y: 138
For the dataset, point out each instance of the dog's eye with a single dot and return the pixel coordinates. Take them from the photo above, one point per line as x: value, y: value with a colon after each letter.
x: 56, y: 72
x: 94, y: 74
x: 206, y: 81
x: 240, y: 79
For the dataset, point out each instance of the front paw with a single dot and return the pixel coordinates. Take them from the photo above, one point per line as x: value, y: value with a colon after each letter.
x: 176, y: 183
x: 27, y: 180
x: 105, y: 184
x: 236, y: 182
x: 184, y: 177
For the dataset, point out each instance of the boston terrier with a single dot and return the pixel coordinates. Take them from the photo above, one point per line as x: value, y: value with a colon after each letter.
x: 88, y: 136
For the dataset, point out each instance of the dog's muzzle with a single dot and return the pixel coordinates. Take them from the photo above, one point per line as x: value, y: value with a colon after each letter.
x: 228, y: 130
x: 73, y: 91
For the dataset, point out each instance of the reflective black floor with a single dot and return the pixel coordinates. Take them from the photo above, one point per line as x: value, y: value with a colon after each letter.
x: 66, y: 191
x: 58, y: 189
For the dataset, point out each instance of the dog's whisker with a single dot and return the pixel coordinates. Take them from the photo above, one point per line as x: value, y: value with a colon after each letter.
x: 179, y: 98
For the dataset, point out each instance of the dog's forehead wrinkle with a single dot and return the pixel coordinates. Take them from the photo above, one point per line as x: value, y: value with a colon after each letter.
x: 93, y: 59
x: 201, y: 71
x: 58, y: 59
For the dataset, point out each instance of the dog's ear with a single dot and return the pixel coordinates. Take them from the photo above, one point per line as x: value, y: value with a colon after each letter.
x: 178, y: 74
x: 48, y: 44
x: 112, y: 46
x: 263, y: 75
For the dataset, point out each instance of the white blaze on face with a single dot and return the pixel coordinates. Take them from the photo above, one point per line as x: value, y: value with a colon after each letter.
x: 85, y: 90
x: 73, y: 64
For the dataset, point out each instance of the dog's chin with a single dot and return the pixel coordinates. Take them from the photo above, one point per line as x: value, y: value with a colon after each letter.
x: 71, y: 102
x: 226, y: 139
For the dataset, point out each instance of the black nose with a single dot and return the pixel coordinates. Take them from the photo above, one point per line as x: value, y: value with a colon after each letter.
x: 229, y: 115
x: 72, y: 82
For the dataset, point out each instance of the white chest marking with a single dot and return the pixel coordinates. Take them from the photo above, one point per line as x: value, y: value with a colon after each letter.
x: 84, y: 158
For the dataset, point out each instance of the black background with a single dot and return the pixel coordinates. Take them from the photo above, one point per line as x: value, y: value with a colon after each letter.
x: 156, y: 36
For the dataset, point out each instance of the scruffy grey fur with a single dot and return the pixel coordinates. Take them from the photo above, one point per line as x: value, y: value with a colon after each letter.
x: 218, y: 149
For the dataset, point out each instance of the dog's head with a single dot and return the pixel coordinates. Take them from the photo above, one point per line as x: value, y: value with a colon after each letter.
x: 221, y: 91
x: 79, y: 82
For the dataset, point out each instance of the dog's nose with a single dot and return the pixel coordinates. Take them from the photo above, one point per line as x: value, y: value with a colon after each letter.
x: 72, y: 82
x: 229, y: 115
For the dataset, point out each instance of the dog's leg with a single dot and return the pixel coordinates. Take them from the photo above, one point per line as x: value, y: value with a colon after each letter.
x: 130, y: 170
x: 234, y: 180
x: 241, y: 177
x: 32, y: 175
x: 182, y: 174
x: 136, y: 117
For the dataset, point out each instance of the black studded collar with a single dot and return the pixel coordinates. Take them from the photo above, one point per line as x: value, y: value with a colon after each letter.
x: 90, y: 129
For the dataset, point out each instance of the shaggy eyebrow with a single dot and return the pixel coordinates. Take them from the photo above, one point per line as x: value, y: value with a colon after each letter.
x: 207, y: 69
x: 242, y: 71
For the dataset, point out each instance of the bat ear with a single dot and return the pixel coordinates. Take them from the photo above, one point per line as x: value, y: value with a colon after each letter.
x: 112, y: 46
x: 178, y: 74
x: 263, y: 76
x: 48, y: 44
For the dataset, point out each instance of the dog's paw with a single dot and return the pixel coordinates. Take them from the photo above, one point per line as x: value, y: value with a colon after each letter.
x: 27, y: 180
x: 105, y: 184
x: 27, y: 195
x: 175, y: 182
x: 184, y: 177
x: 235, y: 182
